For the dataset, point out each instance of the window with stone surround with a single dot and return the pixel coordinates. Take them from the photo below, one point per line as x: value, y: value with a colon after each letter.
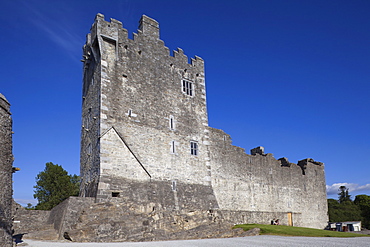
x: 172, y: 123
x: 174, y: 185
x: 173, y: 150
x: 187, y: 87
x: 194, y: 148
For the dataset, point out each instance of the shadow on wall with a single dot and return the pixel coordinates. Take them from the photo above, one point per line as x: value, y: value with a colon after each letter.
x: 17, y: 238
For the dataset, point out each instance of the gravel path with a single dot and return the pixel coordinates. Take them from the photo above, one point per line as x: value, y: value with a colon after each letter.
x: 262, y: 240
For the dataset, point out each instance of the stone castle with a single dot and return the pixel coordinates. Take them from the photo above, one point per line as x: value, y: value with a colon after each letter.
x: 152, y: 168
x: 145, y: 138
x: 6, y: 170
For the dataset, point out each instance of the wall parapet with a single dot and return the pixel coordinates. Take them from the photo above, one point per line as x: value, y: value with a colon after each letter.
x: 148, y: 29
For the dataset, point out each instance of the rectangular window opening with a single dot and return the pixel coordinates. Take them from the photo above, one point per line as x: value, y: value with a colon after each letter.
x: 115, y: 194
x: 174, y: 186
x: 172, y: 123
x: 187, y: 87
x: 194, y: 148
x: 173, y: 147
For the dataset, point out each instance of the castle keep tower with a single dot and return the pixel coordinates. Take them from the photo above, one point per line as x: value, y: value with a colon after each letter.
x: 145, y: 140
x: 6, y: 163
x: 144, y: 118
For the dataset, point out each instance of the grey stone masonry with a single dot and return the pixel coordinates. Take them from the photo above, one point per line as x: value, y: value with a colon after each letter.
x: 145, y: 142
x: 6, y: 164
x: 144, y: 111
x: 151, y: 167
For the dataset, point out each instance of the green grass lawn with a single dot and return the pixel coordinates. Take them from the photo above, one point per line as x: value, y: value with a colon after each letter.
x: 297, y: 231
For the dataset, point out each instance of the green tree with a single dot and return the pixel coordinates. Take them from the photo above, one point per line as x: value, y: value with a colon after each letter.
x: 54, y: 185
x: 363, y: 202
x: 29, y: 206
x: 344, y: 195
x: 343, y: 209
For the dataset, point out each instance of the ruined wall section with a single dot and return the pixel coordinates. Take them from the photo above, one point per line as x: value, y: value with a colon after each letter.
x: 6, y: 164
x: 314, y: 201
x: 27, y: 221
x: 259, y: 182
x: 149, y: 116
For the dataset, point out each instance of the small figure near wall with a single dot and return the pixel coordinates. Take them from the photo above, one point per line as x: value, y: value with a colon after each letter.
x: 275, y: 222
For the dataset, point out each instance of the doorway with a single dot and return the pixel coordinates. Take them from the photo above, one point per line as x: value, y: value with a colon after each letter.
x: 290, y: 219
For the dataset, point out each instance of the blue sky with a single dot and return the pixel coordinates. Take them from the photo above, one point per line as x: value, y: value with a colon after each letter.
x: 292, y: 76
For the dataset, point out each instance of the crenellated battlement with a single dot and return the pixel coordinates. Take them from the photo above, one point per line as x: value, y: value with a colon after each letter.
x: 258, y: 156
x: 285, y: 162
x: 4, y: 103
x: 147, y: 35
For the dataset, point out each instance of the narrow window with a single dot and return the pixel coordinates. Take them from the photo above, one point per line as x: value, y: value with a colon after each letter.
x: 174, y: 186
x: 187, y: 87
x: 89, y: 149
x: 172, y: 123
x: 193, y: 148
x: 173, y: 147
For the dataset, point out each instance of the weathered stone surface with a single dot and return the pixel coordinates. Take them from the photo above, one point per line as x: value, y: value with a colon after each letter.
x: 113, y: 221
x: 145, y: 138
x: 28, y: 221
x: 47, y: 234
x: 6, y: 164
x: 65, y: 214
x: 152, y: 168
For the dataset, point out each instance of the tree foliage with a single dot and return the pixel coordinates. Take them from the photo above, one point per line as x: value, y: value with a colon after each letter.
x: 363, y: 202
x: 344, y: 195
x: 344, y: 209
x: 54, y: 185
x: 29, y: 206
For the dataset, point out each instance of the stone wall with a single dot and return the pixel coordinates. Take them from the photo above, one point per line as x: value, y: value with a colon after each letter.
x: 260, y: 182
x: 90, y: 129
x: 144, y: 116
x: 124, y: 219
x: 6, y: 164
x: 27, y: 221
x: 67, y: 213
x: 146, y: 143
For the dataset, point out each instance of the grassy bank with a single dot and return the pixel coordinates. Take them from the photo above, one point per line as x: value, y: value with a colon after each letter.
x: 297, y: 231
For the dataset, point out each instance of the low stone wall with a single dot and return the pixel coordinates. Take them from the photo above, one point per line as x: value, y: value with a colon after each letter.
x: 122, y: 221
x: 80, y: 219
x: 67, y: 212
x: 27, y: 221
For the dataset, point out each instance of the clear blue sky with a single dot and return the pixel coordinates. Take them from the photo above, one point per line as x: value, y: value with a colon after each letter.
x: 292, y: 76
